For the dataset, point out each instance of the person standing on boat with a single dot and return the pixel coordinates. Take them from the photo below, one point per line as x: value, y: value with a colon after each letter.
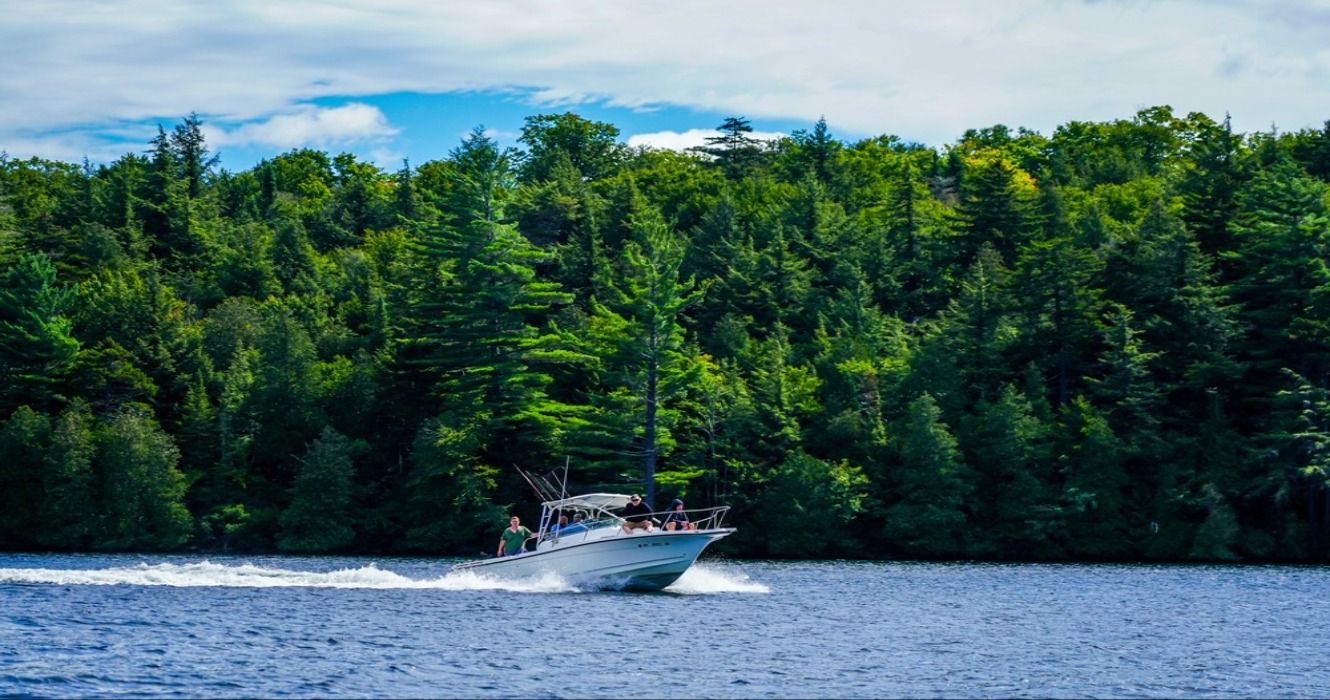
x: 636, y: 515
x: 560, y: 526
x: 676, y: 519
x: 513, y: 538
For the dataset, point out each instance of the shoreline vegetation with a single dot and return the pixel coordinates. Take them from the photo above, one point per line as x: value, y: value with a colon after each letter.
x: 1111, y: 343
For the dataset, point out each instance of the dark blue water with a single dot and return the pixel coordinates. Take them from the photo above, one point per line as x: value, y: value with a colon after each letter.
x: 318, y: 627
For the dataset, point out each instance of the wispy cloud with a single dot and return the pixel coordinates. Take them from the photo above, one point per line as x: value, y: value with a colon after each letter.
x: 925, y: 71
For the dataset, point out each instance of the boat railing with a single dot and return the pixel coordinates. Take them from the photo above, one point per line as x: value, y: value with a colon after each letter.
x: 700, y: 518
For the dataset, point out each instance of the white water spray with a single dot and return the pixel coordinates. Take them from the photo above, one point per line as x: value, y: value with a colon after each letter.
x: 699, y: 579
x: 206, y: 573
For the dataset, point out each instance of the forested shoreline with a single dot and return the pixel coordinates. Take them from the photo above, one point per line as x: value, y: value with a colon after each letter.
x: 1109, y: 343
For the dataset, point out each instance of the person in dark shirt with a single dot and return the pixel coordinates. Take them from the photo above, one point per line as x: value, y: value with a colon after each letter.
x: 676, y: 519
x: 636, y: 515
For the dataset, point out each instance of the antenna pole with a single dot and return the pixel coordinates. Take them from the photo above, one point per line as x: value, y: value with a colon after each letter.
x: 563, y: 488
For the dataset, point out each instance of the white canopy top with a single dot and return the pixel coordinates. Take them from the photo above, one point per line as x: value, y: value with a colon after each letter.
x: 603, y: 501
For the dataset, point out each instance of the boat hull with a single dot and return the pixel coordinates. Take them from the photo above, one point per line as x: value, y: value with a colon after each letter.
x: 637, y: 562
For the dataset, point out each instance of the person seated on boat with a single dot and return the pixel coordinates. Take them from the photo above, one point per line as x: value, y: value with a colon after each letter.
x: 676, y: 519
x: 575, y: 527
x: 559, y: 527
x: 513, y: 539
x: 636, y: 515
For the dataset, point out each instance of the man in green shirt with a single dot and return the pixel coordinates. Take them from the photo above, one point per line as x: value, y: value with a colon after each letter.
x: 513, y: 538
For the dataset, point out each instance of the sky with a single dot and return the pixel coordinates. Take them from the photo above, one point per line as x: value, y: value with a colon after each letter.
x: 394, y: 79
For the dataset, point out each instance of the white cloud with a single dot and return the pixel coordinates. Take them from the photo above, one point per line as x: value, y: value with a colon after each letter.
x: 66, y: 147
x: 925, y: 71
x: 310, y: 126
x: 684, y: 140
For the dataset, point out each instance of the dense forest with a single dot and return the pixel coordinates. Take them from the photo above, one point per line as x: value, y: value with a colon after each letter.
x: 1108, y: 343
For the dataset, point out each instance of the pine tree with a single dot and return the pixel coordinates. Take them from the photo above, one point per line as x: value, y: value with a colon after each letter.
x: 69, y: 483
x: 1007, y: 447
x: 637, y: 329
x: 932, y: 484
x: 733, y: 150
x: 191, y: 152
x: 479, y: 323
x: 24, y: 438
x: 1055, y: 289
x: 977, y: 325
x: 1099, y: 524
x: 1213, y: 175
x: 996, y: 209
x: 37, y: 348
x: 319, y: 517
x: 451, y: 492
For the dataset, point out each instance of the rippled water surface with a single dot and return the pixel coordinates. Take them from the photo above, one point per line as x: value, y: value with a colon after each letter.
x: 317, y: 627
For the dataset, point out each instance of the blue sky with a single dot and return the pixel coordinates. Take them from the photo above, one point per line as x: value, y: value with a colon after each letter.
x: 400, y: 78
x: 430, y: 125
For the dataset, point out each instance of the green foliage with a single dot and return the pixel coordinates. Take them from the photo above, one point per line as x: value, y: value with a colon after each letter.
x: 451, y: 491
x: 319, y: 517
x: 24, y: 437
x: 69, y: 482
x: 1107, y: 343
x: 933, y: 484
x: 733, y: 150
x: 1220, y: 530
x: 37, y: 348
x: 591, y: 148
x: 143, y: 491
x: 636, y: 331
x: 809, y: 505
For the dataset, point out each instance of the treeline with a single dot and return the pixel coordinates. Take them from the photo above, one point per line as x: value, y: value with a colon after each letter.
x: 1108, y: 343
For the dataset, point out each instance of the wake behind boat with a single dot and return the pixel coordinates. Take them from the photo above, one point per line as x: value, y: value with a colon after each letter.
x: 598, y: 550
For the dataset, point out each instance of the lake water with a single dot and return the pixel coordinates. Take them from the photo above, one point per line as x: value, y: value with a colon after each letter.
x: 101, y: 625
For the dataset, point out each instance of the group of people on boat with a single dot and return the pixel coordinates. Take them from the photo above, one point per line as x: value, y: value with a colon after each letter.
x: 636, y: 516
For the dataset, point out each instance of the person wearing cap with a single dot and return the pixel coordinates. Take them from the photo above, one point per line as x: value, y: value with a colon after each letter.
x: 636, y: 515
x: 676, y: 519
x: 513, y: 539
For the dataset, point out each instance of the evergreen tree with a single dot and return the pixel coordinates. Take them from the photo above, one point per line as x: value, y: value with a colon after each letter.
x: 479, y: 323
x: 192, y: 154
x: 24, y: 438
x: 1007, y: 446
x: 733, y: 150
x: 319, y: 517
x: 996, y: 208
x: 977, y: 324
x: 637, y: 328
x: 1096, y: 503
x: 142, y: 491
x: 933, y: 485
x: 451, y: 492
x: 808, y: 505
x: 69, y: 483
x: 1213, y: 175
x: 37, y: 348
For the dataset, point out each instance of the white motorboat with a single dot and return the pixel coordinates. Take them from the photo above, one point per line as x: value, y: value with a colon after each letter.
x: 599, y: 551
